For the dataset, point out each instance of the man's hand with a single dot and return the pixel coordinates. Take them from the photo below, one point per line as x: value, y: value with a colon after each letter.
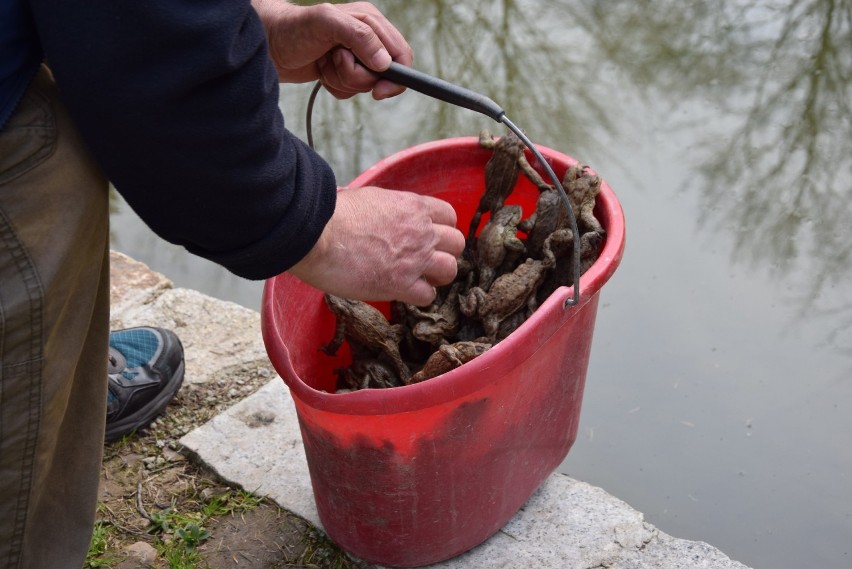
x: 322, y: 42
x: 385, y: 245
x: 379, y: 244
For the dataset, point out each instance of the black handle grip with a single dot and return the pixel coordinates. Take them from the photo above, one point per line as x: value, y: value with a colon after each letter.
x: 440, y: 89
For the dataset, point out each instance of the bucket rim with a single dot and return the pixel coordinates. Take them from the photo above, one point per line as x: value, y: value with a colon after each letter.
x: 448, y: 387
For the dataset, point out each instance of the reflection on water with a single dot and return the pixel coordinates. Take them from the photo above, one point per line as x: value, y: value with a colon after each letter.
x: 779, y: 180
x: 541, y: 79
x: 724, y: 128
x: 786, y: 168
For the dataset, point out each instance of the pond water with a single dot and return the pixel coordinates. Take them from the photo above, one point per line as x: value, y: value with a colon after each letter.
x: 719, y: 394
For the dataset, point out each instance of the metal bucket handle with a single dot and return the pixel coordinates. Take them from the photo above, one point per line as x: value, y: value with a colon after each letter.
x: 462, y: 97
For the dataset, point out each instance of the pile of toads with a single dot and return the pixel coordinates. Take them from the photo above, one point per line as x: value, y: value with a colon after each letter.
x: 502, y: 278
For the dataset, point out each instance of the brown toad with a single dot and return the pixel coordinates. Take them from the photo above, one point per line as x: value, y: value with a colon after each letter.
x: 365, y: 328
x: 501, y: 174
x: 561, y: 246
x: 590, y: 249
x: 510, y: 293
x: 582, y: 189
x: 440, y: 321
x: 448, y: 357
x: 498, y: 242
x: 549, y: 215
x: 510, y: 324
x: 368, y: 373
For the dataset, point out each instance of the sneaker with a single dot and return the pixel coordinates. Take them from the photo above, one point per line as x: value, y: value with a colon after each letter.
x: 145, y: 371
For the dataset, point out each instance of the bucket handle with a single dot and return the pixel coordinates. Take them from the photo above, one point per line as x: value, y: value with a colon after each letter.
x: 575, y: 265
x: 454, y: 94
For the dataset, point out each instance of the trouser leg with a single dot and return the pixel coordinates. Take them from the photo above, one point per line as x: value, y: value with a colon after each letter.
x: 54, y: 326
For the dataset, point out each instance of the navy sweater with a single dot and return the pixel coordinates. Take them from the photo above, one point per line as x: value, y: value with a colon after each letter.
x: 178, y: 101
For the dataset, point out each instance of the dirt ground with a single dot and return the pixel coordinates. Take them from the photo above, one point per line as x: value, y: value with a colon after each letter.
x: 159, y: 509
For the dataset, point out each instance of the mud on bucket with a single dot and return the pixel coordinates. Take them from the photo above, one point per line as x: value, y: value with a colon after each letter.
x: 413, y: 475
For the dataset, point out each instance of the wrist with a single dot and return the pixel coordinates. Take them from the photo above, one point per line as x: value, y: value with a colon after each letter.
x: 271, y: 11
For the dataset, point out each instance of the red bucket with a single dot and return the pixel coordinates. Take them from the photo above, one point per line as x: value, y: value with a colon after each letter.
x: 413, y: 475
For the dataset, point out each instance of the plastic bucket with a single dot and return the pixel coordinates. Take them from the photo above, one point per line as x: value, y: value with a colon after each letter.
x: 414, y: 475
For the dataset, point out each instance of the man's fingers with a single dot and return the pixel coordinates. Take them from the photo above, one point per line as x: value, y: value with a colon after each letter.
x: 421, y: 293
x: 441, y: 212
x: 449, y: 239
x: 391, y: 41
x: 441, y: 270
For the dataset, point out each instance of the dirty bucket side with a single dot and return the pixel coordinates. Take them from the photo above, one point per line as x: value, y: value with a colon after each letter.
x: 413, y: 475
x: 451, y: 476
x: 415, y: 487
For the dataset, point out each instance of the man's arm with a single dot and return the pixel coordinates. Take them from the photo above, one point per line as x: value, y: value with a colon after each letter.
x: 178, y: 101
x: 179, y: 104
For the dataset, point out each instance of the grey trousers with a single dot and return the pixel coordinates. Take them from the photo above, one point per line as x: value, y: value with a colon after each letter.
x: 54, y: 326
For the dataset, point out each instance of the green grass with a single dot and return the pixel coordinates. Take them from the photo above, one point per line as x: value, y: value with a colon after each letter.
x: 97, y: 554
x: 321, y: 551
x: 177, y: 534
x: 178, y: 556
x: 234, y: 501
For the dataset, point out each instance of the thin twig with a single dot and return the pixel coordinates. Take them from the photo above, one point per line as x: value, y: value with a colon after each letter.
x: 139, y: 507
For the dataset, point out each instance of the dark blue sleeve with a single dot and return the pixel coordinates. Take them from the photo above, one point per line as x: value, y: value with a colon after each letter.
x: 178, y: 101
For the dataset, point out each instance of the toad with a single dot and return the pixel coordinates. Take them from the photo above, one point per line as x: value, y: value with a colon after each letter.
x: 365, y: 328
x: 511, y: 324
x: 510, y: 293
x: 448, y: 357
x: 440, y: 321
x: 498, y: 242
x: 590, y: 249
x: 368, y: 373
x: 559, y: 246
x: 549, y: 215
x: 501, y: 174
x: 582, y: 189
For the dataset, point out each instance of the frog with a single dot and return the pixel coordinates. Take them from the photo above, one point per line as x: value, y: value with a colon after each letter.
x: 561, y: 245
x: 501, y: 174
x: 510, y: 293
x: 368, y: 373
x: 450, y: 356
x: 511, y: 324
x: 550, y: 215
x: 366, y: 329
x: 590, y: 248
x: 440, y: 321
x: 497, y: 243
x: 582, y: 189
x: 410, y: 348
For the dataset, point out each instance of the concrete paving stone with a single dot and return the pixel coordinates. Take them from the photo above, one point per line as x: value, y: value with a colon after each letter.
x: 132, y: 284
x: 256, y: 443
x: 216, y: 335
